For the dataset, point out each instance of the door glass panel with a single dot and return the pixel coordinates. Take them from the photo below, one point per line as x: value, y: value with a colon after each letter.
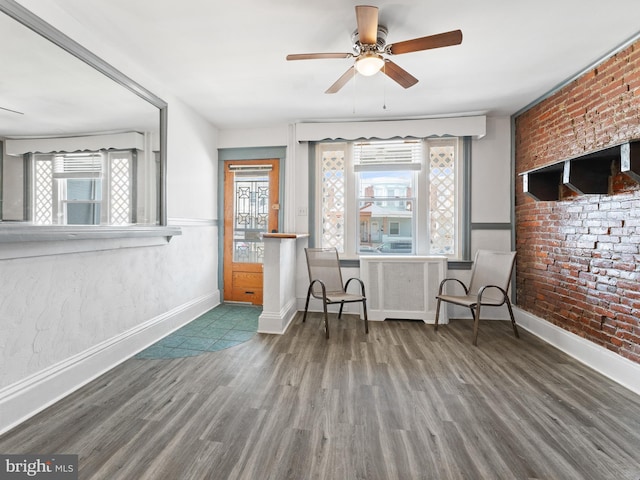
x: 251, y: 215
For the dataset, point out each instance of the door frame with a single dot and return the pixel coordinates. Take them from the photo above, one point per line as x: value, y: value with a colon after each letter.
x: 248, y: 274
x: 248, y: 153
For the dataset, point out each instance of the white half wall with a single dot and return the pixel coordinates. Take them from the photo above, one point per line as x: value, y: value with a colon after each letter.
x: 35, y: 392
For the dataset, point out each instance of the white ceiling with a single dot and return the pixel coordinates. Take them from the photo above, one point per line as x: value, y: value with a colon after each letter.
x: 227, y: 59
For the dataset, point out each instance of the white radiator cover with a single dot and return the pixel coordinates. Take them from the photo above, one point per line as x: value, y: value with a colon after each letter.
x: 403, y: 287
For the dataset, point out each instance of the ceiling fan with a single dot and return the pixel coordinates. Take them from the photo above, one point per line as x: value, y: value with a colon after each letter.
x: 369, y: 43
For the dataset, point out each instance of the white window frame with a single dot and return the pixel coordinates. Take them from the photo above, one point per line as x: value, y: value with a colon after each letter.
x: 421, y: 226
x: 460, y: 199
x: 61, y: 207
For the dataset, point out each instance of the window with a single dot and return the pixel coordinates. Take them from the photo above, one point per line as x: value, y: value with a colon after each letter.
x: 390, y: 197
x: 332, y: 195
x: 88, y: 188
x: 81, y: 200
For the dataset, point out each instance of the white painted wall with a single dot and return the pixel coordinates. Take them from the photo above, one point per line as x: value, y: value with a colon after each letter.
x: 12, y: 191
x: 192, y: 165
x: 491, y: 184
x: 273, y: 136
x: 67, y: 318
x: 491, y: 173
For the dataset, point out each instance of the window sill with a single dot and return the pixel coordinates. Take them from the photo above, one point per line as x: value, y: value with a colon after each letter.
x: 354, y: 262
x: 21, y: 241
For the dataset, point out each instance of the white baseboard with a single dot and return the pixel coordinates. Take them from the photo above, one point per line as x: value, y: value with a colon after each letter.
x: 33, y: 394
x: 617, y: 368
x: 277, y: 323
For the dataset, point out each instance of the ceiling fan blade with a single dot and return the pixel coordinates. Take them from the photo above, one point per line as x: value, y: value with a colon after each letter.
x: 425, y: 43
x: 399, y: 74
x: 313, y: 56
x: 367, y: 18
x: 342, y: 81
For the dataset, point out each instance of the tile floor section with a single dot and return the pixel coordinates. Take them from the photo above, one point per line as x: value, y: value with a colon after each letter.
x: 224, y: 326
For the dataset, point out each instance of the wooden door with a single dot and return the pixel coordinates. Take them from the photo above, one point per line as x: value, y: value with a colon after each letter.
x: 251, y: 207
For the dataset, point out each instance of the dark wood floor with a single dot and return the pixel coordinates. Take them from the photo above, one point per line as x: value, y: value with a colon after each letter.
x: 400, y: 403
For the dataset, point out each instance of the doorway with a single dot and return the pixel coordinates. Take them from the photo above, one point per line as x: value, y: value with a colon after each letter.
x: 251, y: 208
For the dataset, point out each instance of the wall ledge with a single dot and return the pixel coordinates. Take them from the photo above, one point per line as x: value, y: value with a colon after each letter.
x: 22, y: 241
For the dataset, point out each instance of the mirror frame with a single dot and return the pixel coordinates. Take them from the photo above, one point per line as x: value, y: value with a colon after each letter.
x: 42, y: 28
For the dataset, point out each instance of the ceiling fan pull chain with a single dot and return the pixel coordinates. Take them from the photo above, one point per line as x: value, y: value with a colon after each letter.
x: 355, y: 90
x: 384, y: 88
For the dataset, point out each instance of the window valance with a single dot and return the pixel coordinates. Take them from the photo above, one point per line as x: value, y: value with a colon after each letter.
x: 472, y: 126
x: 121, y: 141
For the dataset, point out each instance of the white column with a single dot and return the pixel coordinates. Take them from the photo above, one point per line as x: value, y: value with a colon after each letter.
x: 279, y: 306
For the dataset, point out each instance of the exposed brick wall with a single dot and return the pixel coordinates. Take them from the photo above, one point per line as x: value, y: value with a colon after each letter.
x: 578, y: 263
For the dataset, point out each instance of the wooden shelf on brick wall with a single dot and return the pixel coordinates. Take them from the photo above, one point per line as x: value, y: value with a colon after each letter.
x: 586, y: 174
x: 543, y: 183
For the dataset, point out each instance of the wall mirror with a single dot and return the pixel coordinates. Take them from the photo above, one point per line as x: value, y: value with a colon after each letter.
x: 83, y: 146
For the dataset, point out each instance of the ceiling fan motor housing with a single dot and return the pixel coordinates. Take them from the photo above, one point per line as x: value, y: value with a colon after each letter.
x: 381, y: 41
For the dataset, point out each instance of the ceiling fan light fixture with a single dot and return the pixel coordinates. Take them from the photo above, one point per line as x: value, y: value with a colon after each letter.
x: 369, y: 63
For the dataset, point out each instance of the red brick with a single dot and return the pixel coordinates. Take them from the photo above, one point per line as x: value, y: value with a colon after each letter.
x: 579, y: 258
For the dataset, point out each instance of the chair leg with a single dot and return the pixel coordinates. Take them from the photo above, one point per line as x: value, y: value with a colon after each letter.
x: 340, y: 312
x: 326, y: 319
x: 476, y: 324
x: 513, y: 320
x: 437, y: 314
x: 366, y: 318
x: 306, y: 305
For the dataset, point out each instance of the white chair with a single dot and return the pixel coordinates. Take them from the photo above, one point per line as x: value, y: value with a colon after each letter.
x: 488, y: 286
x: 325, y: 283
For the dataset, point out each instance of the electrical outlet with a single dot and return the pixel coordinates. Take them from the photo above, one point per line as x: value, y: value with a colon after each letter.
x: 302, y: 211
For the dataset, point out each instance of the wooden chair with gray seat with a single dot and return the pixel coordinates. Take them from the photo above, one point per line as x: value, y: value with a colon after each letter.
x: 325, y: 283
x: 488, y: 286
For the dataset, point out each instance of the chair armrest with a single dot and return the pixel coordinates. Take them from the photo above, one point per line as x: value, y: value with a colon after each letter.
x: 482, y: 290
x: 324, y: 289
x: 443, y: 282
x: 346, y: 285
